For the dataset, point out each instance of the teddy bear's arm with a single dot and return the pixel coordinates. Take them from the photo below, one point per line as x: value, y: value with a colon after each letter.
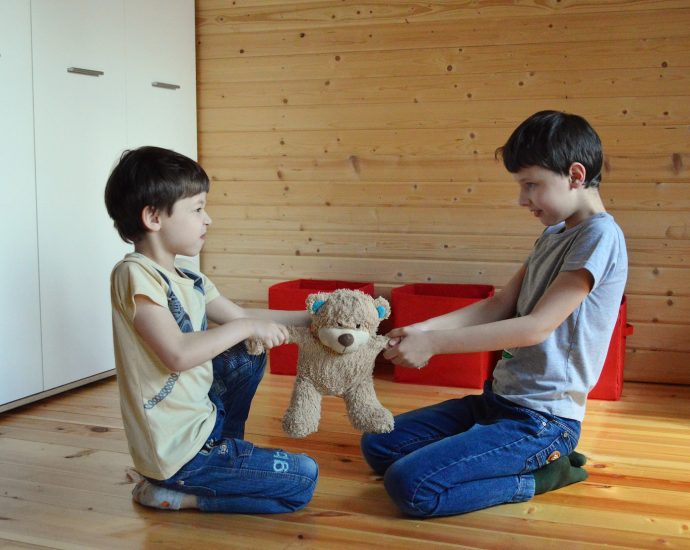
x: 379, y: 342
x: 298, y: 335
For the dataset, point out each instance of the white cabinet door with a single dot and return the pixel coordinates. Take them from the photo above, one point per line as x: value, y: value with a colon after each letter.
x: 80, y: 132
x: 161, y: 74
x: 20, y: 325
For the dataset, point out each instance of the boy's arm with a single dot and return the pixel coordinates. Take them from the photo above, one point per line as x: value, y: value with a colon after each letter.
x: 220, y: 310
x: 180, y: 351
x: 567, y: 292
x: 499, y: 306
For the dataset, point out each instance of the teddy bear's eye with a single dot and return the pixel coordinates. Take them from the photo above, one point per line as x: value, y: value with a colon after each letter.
x: 340, y: 325
x: 358, y: 326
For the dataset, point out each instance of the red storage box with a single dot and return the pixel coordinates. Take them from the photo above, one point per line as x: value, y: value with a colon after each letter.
x: 417, y: 302
x: 610, y: 384
x: 292, y: 295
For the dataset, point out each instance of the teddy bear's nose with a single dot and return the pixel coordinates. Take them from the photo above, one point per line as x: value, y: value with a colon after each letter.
x: 346, y: 339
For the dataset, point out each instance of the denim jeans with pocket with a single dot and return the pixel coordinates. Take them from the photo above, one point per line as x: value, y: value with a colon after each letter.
x: 466, y: 454
x: 230, y: 474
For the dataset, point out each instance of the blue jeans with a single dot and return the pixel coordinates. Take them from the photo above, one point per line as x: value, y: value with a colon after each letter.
x: 230, y: 474
x: 466, y: 454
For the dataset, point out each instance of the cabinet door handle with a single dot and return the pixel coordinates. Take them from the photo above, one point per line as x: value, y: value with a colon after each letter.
x: 165, y: 85
x: 87, y: 72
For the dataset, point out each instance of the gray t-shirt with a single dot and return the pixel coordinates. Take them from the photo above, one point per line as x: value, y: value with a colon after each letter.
x: 556, y: 375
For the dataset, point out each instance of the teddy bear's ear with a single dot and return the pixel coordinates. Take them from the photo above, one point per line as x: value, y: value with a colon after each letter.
x: 315, y: 301
x: 382, y: 307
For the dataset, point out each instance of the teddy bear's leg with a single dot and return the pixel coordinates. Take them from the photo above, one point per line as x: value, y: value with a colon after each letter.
x: 365, y: 411
x: 302, y: 416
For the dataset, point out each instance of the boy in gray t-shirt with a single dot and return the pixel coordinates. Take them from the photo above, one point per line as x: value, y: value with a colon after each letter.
x: 554, y: 319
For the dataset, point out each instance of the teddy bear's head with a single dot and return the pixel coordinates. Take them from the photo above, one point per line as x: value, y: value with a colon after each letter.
x: 346, y: 319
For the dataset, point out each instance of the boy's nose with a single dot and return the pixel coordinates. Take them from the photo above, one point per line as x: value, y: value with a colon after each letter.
x: 523, y: 200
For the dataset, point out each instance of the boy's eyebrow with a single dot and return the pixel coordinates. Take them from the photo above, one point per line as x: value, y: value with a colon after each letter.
x: 525, y: 178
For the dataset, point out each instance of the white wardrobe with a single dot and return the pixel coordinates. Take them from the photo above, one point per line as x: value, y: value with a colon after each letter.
x: 80, y: 82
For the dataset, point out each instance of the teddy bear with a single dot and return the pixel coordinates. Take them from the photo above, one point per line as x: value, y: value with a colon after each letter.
x: 336, y: 357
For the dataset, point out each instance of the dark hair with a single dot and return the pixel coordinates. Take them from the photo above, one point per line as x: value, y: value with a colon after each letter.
x: 149, y: 176
x: 554, y: 140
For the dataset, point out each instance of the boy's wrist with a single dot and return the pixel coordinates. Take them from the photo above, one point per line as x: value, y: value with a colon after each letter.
x: 244, y: 326
x: 435, y: 342
x: 420, y: 326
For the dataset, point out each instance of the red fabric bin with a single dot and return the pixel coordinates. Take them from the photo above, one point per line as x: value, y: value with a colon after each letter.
x: 417, y: 302
x: 292, y: 295
x: 610, y: 384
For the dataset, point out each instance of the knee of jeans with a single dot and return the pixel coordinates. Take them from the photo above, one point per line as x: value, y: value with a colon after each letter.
x: 259, y: 363
x: 309, y: 468
x: 373, y: 453
x: 405, y: 493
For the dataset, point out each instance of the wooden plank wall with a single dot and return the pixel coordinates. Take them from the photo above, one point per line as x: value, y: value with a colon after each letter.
x: 355, y: 140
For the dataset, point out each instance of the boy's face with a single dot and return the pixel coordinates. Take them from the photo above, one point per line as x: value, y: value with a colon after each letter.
x: 551, y: 197
x: 184, y: 231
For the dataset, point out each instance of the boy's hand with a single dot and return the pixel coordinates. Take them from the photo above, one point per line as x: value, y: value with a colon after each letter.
x: 409, y: 347
x: 269, y: 333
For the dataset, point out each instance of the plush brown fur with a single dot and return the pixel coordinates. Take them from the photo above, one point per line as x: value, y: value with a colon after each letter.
x: 336, y: 357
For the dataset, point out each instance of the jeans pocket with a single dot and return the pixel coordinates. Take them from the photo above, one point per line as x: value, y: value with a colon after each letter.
x: 193, y: 486
x: 191, y: 480
x: 216, y: 461
x: 559, y: 442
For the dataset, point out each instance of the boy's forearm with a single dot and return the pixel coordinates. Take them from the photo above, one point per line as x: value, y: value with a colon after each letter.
x: 195, y: 348
x: 508, y: 333
x: 299, y: 318
x: 486, y: 311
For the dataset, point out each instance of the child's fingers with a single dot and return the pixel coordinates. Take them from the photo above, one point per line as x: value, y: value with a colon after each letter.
x: 396, y: 333
x: 391, y: 353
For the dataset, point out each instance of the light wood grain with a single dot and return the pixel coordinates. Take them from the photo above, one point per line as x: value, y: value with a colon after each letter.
x: 262, y: 15
x: 490, y: 29
x: 648, y: 196
x: 543, y: 83
x: 63, y: 482
x: 662, y: 168
x: 628, y: 112
x: 221, y: 65
x: 429, y: 143
x: 509, y: 220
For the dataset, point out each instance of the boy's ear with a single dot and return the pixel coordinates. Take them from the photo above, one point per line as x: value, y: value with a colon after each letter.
x: 150, y: 217
x: 577, y: 174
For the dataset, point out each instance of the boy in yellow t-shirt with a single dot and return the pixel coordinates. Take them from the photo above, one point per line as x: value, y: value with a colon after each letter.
x: 186, y: 389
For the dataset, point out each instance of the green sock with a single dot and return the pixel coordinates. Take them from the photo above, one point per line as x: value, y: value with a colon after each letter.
x: 577, y: 459
x: 557, y: 474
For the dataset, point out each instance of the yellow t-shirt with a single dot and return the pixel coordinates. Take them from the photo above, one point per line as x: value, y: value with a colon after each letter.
x: 167, y: 416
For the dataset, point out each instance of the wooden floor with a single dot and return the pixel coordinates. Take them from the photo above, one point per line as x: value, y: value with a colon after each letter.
x: 63, y: 482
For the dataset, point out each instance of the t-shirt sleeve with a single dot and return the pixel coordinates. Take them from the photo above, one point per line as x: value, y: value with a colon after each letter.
x: 130, y: 279
x: 210, y: 290
x: 595, y: 250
